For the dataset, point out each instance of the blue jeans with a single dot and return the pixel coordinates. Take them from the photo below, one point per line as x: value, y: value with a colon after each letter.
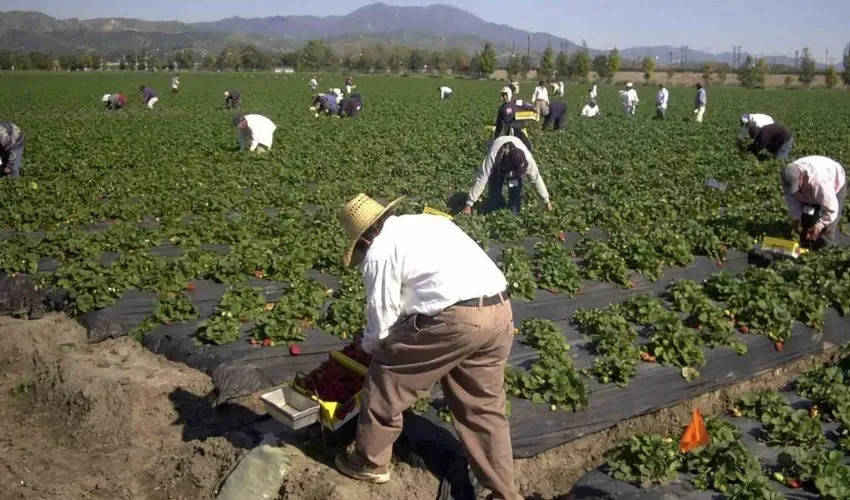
x: 13, y: 160
x: 496, y: 200
x: 785, y: 150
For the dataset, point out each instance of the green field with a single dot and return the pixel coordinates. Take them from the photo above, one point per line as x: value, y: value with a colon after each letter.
x: 641, y: 181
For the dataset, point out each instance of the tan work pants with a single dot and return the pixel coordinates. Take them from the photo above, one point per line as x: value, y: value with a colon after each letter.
x: 466, y: 349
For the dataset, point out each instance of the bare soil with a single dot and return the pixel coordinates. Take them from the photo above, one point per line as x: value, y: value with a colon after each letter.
x: 114, y: 421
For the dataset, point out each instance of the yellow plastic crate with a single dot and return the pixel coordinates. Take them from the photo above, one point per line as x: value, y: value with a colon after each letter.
x: 434, y: 211
x: 782, y: 246
x: 327, y: 409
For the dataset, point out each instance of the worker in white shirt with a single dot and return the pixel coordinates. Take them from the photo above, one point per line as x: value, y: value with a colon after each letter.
x: 593, y: 95
x: 815, y: 190
x: 255, y: 132
x: 338, y: 93
x: 436, y: 310
x: 314, y: 84
x: 700, y: 101
x: 661, y: 102
x: 590, y: 110
x: 175, y: 83
x: 749, y: 120
x: 508, y: 161
x: 540, y: 98
x: 445, y: 92
x: 630, y: 100
x: 349, y: 84
x: 514, y: 86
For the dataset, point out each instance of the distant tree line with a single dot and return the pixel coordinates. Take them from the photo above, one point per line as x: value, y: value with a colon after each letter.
x: 317, y: 55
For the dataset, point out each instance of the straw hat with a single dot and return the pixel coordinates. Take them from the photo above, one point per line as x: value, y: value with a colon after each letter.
x: 357, y: 216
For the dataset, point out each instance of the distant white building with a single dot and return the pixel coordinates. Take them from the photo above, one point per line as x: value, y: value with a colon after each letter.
x: 284, y: 70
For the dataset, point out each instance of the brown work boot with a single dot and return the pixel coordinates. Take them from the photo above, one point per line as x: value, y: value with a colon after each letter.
x: 355, y: 466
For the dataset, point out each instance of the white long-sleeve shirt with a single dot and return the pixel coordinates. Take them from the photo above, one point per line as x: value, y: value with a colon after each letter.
x: 540, y: 94
x: 825, y: 178
x: 758, y: 119
x: 259, y: 132
x: 593, y: 93
x: 589, y: 111
x: 445, y: 91
x: 630, y: 98
x: 532, y: 174
x: 662, y: 97
x: 422, y: 264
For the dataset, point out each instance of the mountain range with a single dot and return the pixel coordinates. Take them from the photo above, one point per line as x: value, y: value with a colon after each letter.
x: 432, y: 27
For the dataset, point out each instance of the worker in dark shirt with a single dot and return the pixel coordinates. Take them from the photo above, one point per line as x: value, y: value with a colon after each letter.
x: 232, y: 99
x: 513, y: 116
x: 774, y: 138
x: 351, y: 106
x: 11, y: 149
x: 149, y: 97
x: 557, y: 113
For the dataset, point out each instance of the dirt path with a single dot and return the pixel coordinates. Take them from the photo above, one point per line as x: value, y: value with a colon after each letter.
x: 114, y: 421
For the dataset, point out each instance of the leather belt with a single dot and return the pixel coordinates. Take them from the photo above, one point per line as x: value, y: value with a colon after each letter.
x: 484, y: 301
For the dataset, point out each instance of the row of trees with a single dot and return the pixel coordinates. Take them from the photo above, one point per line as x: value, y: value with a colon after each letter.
x: 316, y: 55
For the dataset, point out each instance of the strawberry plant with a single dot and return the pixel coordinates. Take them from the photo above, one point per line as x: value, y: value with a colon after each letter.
x: 240, y: 304
x: 515, y: 264
x: 715, y: 327
x: 643, y: 309
x: 671, y: 246
x: 816, y: 469
x: 724, y: 462
x: 788, y: 427
x: 685, y: 295
x: 671, y: 343
x: 296, y: 310
x: 602, y: 263
x: 645, y: 459
x: 759, y: 403
x: 721, y: 286
x: 639, y: 254
x: 754, y: 488
x: 554, y: 269
x: 346, y: 315
x: 551, y: 379
x: 613, y: 342
x: 174, y: 306
x: 90, y: 286
x: 761, y: 303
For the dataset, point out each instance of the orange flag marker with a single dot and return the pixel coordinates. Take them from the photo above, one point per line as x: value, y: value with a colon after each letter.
x: 695, y: 435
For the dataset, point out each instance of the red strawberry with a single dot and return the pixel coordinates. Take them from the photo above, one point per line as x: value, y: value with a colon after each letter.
x: 268, y: 343
x: 780, y: 346
x: 795, y: 483
x: 745, y: 329
x: 190, y: 286
x: 562, y: 236
x: 259, y: 274
x: 295, y: 350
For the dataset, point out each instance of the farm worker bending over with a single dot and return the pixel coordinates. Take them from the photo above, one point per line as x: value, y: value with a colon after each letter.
x: 541, y: 99
x: 325, y: 103
x: 774, y: 138
x: 314, y: 84
x: 232, y: 99
x: 351, y: 106
x: 114, y: 101
x: 512, y: 117
x: 338, y: 94
x: 590, y: 110
x: 349, y: 85
x: 11, y: 149
x: 514, y: 86
x: 436, y: 310
x: 255, y: 132
x: 445, y: 92
x: 148, y: 96
x: 750, y: 120
x: 175, y: 83
x: 630, y: 100
x: 593, y: 94
x: 699, y: 102
x: 509, y: 162
x: 557, y: 114
x: 661, y: 102
x: 815, y: 190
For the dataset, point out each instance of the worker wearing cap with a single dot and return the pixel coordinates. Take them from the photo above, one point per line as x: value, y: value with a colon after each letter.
x: 325, y: 103
x: 514, y: 86
x: 349, y: 84
x: 175, y: 83
x: 630, y: 100
x: 776, y: 139
x: 436, y: 310
x: 749, y: 120
x: 445, y: 92
x: 593, y: 94
x: 509, y: 162
x: 700, y: 101
x: 815, y: 190
x: 11, y: 149
x: 590, y: 110
x: 351, y: 106
x: 149, y: 97
x: 661, y: 102
x: 232, y: 99
x: 540, y: 98
x: 114, y: 101
x: 506, y: 119
x: 314, y: 84
x: 557, y: 114
x: 255, y: 132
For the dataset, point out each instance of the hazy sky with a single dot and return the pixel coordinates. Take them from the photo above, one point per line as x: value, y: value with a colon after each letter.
x: 764, y: 27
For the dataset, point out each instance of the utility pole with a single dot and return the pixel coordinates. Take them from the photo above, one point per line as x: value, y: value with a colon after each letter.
x: 513, y: 48
x: 529, y: 51
x: 826, y: 61
x: 796, y: 58
x: 686, y: 55
x: 670, y: 63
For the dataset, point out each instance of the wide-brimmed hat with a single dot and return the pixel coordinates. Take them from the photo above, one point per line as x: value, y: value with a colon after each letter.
x: 357, y: 216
